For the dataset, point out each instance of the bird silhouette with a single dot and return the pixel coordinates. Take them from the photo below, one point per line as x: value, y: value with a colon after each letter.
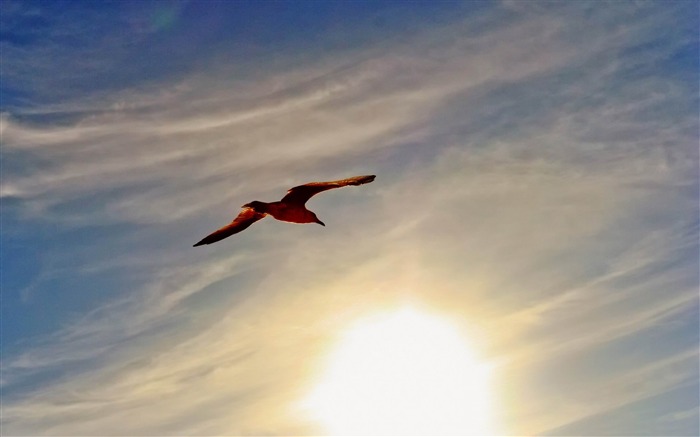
x: 290, y: 209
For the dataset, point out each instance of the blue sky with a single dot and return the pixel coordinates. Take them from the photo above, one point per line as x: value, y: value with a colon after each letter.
x: 537, y: 177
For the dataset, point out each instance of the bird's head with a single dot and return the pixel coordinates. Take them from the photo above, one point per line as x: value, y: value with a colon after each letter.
x: 316, y: 220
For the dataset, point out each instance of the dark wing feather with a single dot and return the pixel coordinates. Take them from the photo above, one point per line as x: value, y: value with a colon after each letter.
x: 245, y: 218
x: 302, y: 193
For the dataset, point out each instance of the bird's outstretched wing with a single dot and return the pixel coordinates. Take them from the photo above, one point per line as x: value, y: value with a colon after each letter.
x: 245, y: 218
x: 302, y: 193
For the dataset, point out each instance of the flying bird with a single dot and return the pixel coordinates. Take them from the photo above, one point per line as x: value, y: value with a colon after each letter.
x: 290, y: 209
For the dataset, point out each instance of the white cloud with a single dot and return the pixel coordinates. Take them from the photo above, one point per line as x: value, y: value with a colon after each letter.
x: 521, y: 184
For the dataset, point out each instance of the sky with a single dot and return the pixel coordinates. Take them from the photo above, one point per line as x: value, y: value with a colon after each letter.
x: 537, y: 184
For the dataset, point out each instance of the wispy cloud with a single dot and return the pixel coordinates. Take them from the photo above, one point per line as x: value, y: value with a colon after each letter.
x: 537, y: 176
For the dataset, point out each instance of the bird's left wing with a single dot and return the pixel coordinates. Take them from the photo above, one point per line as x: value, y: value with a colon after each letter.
x: 302, y: 193
x: 244, y: 219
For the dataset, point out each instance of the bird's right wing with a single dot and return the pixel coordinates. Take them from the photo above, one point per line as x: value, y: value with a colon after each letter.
x: 245, y: 218
x: 302, y: 193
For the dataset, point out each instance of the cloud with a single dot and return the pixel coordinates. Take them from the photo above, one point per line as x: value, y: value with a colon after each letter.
x: 534, y: 181
x: 634, y: 394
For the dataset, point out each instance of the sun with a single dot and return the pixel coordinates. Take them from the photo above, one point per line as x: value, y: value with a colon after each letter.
x: 404, y: 372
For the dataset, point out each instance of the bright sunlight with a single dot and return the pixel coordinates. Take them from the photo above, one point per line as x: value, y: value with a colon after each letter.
x: 402, y: 372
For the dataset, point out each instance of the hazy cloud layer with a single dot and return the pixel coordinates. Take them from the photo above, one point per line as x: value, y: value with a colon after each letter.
x: 537, y: 177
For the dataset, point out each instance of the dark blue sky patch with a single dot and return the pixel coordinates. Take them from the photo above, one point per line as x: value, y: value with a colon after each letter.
x: 121, y: 44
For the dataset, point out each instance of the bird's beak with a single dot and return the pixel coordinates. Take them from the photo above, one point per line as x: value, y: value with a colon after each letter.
x: 320, y: 222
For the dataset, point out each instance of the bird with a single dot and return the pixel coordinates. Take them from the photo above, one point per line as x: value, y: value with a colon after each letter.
x: 290, y: 209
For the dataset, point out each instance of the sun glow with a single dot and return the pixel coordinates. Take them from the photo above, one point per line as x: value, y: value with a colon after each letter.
x: 404, y: 372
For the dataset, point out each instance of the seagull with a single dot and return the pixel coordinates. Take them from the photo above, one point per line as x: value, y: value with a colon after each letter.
x: 290, y: 209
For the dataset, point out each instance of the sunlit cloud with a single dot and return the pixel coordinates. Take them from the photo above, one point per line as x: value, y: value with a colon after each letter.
x: 537, y: 179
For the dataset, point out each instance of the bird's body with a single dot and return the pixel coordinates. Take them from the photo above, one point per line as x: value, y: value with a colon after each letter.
x: 290, y: 209
x: 292, y: 213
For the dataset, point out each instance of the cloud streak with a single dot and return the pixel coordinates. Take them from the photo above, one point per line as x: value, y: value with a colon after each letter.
x: 536, y: 183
